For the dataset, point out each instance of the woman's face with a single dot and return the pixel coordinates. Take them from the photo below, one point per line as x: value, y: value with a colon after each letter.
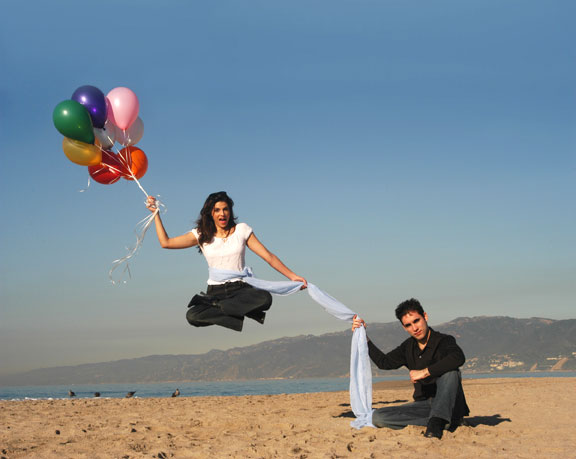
x: 221, y: 214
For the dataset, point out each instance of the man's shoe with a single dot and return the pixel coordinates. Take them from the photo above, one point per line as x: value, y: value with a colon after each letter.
x: 435, y: 428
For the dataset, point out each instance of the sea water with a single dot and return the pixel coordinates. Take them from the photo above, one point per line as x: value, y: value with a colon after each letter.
x: 219, y: 388
x: 187, y: 389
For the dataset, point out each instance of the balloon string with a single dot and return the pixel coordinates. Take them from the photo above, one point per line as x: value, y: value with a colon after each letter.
x: 85, y: 189
x: 140, y: 230
x: 141, y: 227
x: 139, y: 185
x: 127, y: 169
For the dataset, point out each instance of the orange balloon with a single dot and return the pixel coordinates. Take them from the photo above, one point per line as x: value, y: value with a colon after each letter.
x: 81, y: 153
x: 135, y: 160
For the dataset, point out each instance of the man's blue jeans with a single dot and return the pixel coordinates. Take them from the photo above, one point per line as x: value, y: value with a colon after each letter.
x: 417, y: 413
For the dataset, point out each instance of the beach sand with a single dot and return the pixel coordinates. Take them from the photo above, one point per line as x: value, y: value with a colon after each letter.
x: 525, y: 418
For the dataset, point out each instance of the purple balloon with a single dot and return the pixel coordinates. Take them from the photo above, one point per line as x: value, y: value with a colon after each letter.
x: 94, y: 101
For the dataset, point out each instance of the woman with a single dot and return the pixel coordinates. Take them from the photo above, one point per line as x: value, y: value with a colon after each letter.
x: 223, y: 243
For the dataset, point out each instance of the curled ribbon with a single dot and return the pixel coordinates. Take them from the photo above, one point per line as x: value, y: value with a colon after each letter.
x: 140, y: 230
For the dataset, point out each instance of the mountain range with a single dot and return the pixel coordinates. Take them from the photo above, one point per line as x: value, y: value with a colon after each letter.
x: 491, y: 344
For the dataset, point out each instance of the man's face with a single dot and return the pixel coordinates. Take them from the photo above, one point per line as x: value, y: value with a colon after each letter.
x: 416, y: 325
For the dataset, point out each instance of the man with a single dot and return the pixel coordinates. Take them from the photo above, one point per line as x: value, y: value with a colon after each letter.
x: 433, y: 360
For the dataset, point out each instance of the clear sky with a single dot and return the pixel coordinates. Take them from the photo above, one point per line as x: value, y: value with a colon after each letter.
x: 382, y: 149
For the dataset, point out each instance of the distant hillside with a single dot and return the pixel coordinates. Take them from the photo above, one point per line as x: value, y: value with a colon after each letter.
x: 490, y: 344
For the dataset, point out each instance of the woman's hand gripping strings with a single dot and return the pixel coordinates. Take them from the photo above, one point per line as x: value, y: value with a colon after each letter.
x: 152, y: 204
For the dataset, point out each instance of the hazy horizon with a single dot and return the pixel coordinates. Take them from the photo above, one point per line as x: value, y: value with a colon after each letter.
x: 258, y: 343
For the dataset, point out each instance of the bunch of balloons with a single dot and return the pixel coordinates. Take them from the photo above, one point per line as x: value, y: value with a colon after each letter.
x: 92, y: 123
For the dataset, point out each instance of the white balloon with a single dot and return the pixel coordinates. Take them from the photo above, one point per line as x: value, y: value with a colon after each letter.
x: 132, y: 135
x: 106, y: 136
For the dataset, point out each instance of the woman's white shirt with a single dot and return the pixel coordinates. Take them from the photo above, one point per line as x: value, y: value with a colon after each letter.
x: 227, y: 253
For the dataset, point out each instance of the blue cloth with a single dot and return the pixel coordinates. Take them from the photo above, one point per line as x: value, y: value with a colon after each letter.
x: 360, y: 371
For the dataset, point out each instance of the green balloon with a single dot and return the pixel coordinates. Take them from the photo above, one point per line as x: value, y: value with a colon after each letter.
x: 73, y: 121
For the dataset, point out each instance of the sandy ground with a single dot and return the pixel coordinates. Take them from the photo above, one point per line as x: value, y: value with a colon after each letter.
x: 527, y: 418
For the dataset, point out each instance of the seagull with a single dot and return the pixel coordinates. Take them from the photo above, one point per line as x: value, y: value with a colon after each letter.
x: 176, y: 393
x: 96, y: 394
x: 71, y: 394
x: 130, y: 394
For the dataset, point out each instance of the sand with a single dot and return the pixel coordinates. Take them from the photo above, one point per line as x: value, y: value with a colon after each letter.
x: 525, y: 418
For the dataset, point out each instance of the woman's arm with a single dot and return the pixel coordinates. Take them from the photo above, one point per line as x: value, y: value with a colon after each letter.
x: 258, y: 248
x: 179, y: 242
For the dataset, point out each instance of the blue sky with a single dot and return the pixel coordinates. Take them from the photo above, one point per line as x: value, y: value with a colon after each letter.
x: 383, y: 149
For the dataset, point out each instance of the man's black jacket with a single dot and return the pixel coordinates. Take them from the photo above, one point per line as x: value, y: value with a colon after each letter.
x: 440, y: 355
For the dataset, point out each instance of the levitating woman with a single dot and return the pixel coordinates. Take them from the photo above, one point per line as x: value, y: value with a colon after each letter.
x: 223, y: 243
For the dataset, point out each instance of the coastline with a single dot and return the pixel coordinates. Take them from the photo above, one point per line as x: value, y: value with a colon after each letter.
x: 512, y: 417
x: 228, y: 387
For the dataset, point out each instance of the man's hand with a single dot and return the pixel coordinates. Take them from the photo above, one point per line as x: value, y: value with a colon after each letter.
x: 417, y: 375
x: 357, y: 322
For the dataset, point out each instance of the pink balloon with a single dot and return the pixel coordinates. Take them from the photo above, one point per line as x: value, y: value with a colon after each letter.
x: 124, y: 105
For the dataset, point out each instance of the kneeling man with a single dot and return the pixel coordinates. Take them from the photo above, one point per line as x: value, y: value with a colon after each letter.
x: 434, y: 360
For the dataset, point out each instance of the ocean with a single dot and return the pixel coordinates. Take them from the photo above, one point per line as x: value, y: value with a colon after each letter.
x: 219, y: 388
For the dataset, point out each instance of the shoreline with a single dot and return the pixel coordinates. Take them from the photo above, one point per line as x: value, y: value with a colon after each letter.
x: 394, y: 374
x: 221, y: 388
x: 512, y: 417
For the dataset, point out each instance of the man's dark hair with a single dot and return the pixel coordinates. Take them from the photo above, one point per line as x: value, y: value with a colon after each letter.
x: 411, y: 305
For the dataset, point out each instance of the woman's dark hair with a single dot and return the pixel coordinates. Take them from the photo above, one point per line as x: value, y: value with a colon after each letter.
x: 205, y: 222
x: 407, y: 306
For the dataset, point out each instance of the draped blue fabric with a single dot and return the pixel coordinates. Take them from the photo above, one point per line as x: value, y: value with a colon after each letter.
x: 360, y: 371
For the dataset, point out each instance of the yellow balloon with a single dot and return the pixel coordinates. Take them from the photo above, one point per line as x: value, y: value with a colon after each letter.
x: 81, y: 153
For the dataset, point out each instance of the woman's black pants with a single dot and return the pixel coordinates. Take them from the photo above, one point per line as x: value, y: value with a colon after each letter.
x: 227, y: 305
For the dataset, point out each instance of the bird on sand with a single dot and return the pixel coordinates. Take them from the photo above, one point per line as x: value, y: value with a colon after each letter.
x: 130, y: 394
x: 71, y: 394
x: 176, y: 393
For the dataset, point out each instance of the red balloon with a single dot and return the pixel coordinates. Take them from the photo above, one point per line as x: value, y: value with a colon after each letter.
x: 135, y: 160
x: 109, y: 171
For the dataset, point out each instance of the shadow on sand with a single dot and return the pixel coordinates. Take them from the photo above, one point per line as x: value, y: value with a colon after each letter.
x: 493, y: 420
x: 473, y: 421
x: 349, y: 414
